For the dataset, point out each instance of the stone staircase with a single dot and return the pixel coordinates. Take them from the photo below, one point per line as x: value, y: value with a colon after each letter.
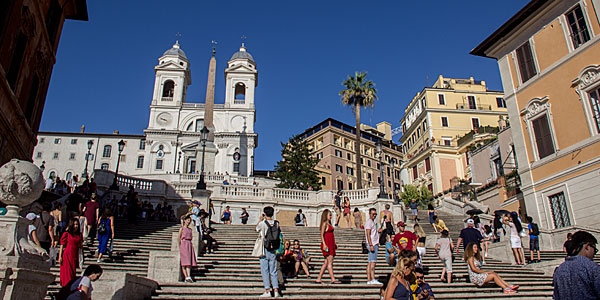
x: 131, y: 248
x: 232, y: 273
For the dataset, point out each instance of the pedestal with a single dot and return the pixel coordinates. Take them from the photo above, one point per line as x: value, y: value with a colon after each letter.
x: 202, y: 196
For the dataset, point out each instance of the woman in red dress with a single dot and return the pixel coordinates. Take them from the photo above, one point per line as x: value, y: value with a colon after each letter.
x: 328, y: 246
x: 68, y: 258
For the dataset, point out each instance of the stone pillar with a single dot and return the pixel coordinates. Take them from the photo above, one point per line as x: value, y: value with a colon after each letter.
x: 24, y: 267
x: 202, y: 196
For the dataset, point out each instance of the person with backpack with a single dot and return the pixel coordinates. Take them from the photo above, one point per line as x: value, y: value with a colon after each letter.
x: 534, y: 240
x: 300, y: 218
x: 81, y: 288
x: 266, y: 245
x: 106, y: 231
x: 45, y: 227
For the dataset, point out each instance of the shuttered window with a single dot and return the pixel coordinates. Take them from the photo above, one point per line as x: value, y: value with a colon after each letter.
x: 595, y: 107
x: 525, y: 60
x: 560, y: 212
x: 415, y: 174
x: 577, y: 27
x: 543, y: 136
x: 427, y: 165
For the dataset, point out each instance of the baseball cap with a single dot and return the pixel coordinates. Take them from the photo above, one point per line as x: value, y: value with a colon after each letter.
x: 401, y: 223
x: 470, y: 221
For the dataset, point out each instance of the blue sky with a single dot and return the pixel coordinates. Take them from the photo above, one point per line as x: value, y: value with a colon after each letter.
x: 104, y: 76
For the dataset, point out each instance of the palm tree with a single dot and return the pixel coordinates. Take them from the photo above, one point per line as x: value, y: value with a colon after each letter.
x: 358, y: 93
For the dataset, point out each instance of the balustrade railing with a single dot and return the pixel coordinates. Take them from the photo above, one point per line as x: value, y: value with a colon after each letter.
x: 291, y: 194
x: 241, y: 191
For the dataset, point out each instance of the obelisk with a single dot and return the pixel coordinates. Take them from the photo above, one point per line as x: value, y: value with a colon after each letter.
x: 210, y: 94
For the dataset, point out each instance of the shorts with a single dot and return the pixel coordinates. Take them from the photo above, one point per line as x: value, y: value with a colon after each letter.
x: 373, y: 255
x: 447, y: 261
x: 337, y: 210
x: 414, y: 211
x: 534, y: 244
x: 515, y: 242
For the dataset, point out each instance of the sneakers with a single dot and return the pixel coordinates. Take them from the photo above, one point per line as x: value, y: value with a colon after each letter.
x: 266, y: 294
x: 485, y: 255
x: 276, y: 295
x: 514, y: 287
x: 374, y: 281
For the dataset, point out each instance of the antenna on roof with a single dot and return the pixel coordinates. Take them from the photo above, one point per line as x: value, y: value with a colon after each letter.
x: 243, y: 37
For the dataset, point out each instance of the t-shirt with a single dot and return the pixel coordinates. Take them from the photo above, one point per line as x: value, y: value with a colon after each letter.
x: 441, y: 225
x: 49, y: 183
x: 388, y: 246
x: 444, y: 248
x: 414, y: 205
x: 577, y: 277
x: 302, y: 218
x: 405, y: 240
x: 470, y: 235
x: 80, y: 282
x: 425, y: 287
x: 374, y: 232
x: 338, y: 201
x: 90, y: 212
x: 42, y: 224
x: 531, y: 236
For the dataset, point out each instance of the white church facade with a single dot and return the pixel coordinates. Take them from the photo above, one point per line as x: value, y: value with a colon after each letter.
x: 171, y: 143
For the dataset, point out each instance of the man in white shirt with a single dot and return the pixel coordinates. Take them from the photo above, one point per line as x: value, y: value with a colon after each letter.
x: 372, y: 236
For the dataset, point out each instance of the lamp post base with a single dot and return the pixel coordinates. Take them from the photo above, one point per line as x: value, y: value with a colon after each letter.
x: 382, y: 195
x: 114, y: 186
x: 201, y: 185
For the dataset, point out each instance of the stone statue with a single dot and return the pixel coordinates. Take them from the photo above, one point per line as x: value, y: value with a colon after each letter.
x: 21, y: 183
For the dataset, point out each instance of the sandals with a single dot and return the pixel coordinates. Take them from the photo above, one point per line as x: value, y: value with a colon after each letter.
x: 514, y: 287
x: 509, y: 291
x: 335, y: 282
x: 319, y: 282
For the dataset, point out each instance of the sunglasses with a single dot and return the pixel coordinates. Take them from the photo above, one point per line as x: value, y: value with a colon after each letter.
x: 420, y: 277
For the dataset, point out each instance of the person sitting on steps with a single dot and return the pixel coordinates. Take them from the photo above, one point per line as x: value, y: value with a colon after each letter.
x: 478, y: 277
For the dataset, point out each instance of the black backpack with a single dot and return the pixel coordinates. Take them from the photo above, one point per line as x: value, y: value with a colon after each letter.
x: 102, y: 227
x: 535, y: 230
x: 272, y: 241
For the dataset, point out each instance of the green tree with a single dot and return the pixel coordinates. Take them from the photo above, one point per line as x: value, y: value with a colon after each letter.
x: 423, y: 194
x: 358, y: 93
x: 296, y: 170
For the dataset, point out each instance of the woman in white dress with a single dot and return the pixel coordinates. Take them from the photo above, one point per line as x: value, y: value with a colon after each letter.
x: 479, y: 277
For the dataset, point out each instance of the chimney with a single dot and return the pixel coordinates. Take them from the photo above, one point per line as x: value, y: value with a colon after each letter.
x: 115, y: 132
x: 82, y: 129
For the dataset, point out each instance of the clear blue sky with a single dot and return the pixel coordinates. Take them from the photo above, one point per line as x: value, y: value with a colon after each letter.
x: 104, y: 76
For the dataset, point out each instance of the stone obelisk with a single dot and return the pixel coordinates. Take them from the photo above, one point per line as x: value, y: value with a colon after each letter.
x: 210, y: 95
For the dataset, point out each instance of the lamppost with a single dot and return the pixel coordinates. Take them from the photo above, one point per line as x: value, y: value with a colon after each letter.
x: 382, y: 194
x: 43, y: 166
x: 90, y: 143
x: 114, y: 185
x: 178, y: 161
x: 201, y: 185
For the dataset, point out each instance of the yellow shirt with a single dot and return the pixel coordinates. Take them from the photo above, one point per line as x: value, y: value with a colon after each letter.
x: 441, y: 225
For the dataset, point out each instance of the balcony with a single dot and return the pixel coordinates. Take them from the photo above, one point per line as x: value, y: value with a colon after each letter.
x: 473, y: 107
x: 473, y: 134
x: 236, y: 101
x: 166, y: 99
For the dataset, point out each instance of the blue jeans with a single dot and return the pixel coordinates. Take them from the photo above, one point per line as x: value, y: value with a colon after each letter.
x: 268, y: 269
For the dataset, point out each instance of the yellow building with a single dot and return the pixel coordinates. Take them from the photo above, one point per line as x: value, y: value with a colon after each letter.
x: 439, y: 125
x: 333, y: 142
x: 549, y: 56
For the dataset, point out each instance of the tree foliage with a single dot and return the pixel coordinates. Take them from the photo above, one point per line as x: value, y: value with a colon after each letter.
x: 423, y: 195
x: 358, y: 93
x: 296, y: 169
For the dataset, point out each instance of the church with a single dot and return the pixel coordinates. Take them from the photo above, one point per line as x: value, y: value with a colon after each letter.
x: 172, y: 143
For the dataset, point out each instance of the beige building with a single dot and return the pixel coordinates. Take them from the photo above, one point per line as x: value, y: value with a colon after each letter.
x: 549, y: 56
x: 333, y: 144
x: 29, y: 31
x: 439, y: 125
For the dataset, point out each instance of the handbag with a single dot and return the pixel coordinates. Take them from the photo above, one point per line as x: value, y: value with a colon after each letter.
x: 259, y: 247
x: 365, y: 250
x: 522, y: 233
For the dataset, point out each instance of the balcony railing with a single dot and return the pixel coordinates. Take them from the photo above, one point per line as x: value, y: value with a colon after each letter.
x: 473, y: 107
x: 236, y: 101
x: 167, y: 99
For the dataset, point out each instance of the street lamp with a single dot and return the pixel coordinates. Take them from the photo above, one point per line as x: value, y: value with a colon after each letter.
x: 43, y: 166
x: 178, y: 161
x: 114, y: 185
x: 87, y: 159
x: 201, y: 185
x: 382, y: 194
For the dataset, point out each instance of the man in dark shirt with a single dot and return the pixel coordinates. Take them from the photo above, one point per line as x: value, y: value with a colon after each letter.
x: 337, y: 204
x: 469, y: 235
x: 424, y: 291
x: 579, y: 276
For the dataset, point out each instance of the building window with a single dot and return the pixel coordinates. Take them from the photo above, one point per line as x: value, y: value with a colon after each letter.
x: 560, y: 213
x: 142, y: 144
x: 73, y: 141
x: 441, y: 99
x: 349, y: 185
x: 199, y: 125
x: 68, y: 176
x: 52, y: 174
x: 38, y: 155
x: 472, y: 102
x: 159, y: 164
x: 577, y: 26
x: 415, y: 172
x: 42, y: 140
x: 500, y: 102
x: 543, y: 136
x: 349, y: 156
x: 104, y: 166
x: 323, y: 180
x: 107, y: 150
x: 339, y: 168
x: 424, y: 126
x: 140, y: 162
x: 57, y: 140
x: 475, y: 123
x: 240, y: 93
x: 168, y: 90
x: 55, y: 156
x: 72, y: 156
x: 427, y: 165
x: 447, y: 141
x: 444, y: 121
x: 236, y: 167
x: 338, y: 153
x: 368, y: 163
x: 350, y: 171
x: 340, y: 184
x: 388, y: 172
x: 525, y: 61
x: 430, y: 187
x: 320, y: 155
x: 369, y: 177
x: 595, y: 108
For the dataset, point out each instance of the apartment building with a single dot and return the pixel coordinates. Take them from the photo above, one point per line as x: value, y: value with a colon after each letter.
x: 549, y: 56
x: 333, y: 143
x: 439, y: 125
